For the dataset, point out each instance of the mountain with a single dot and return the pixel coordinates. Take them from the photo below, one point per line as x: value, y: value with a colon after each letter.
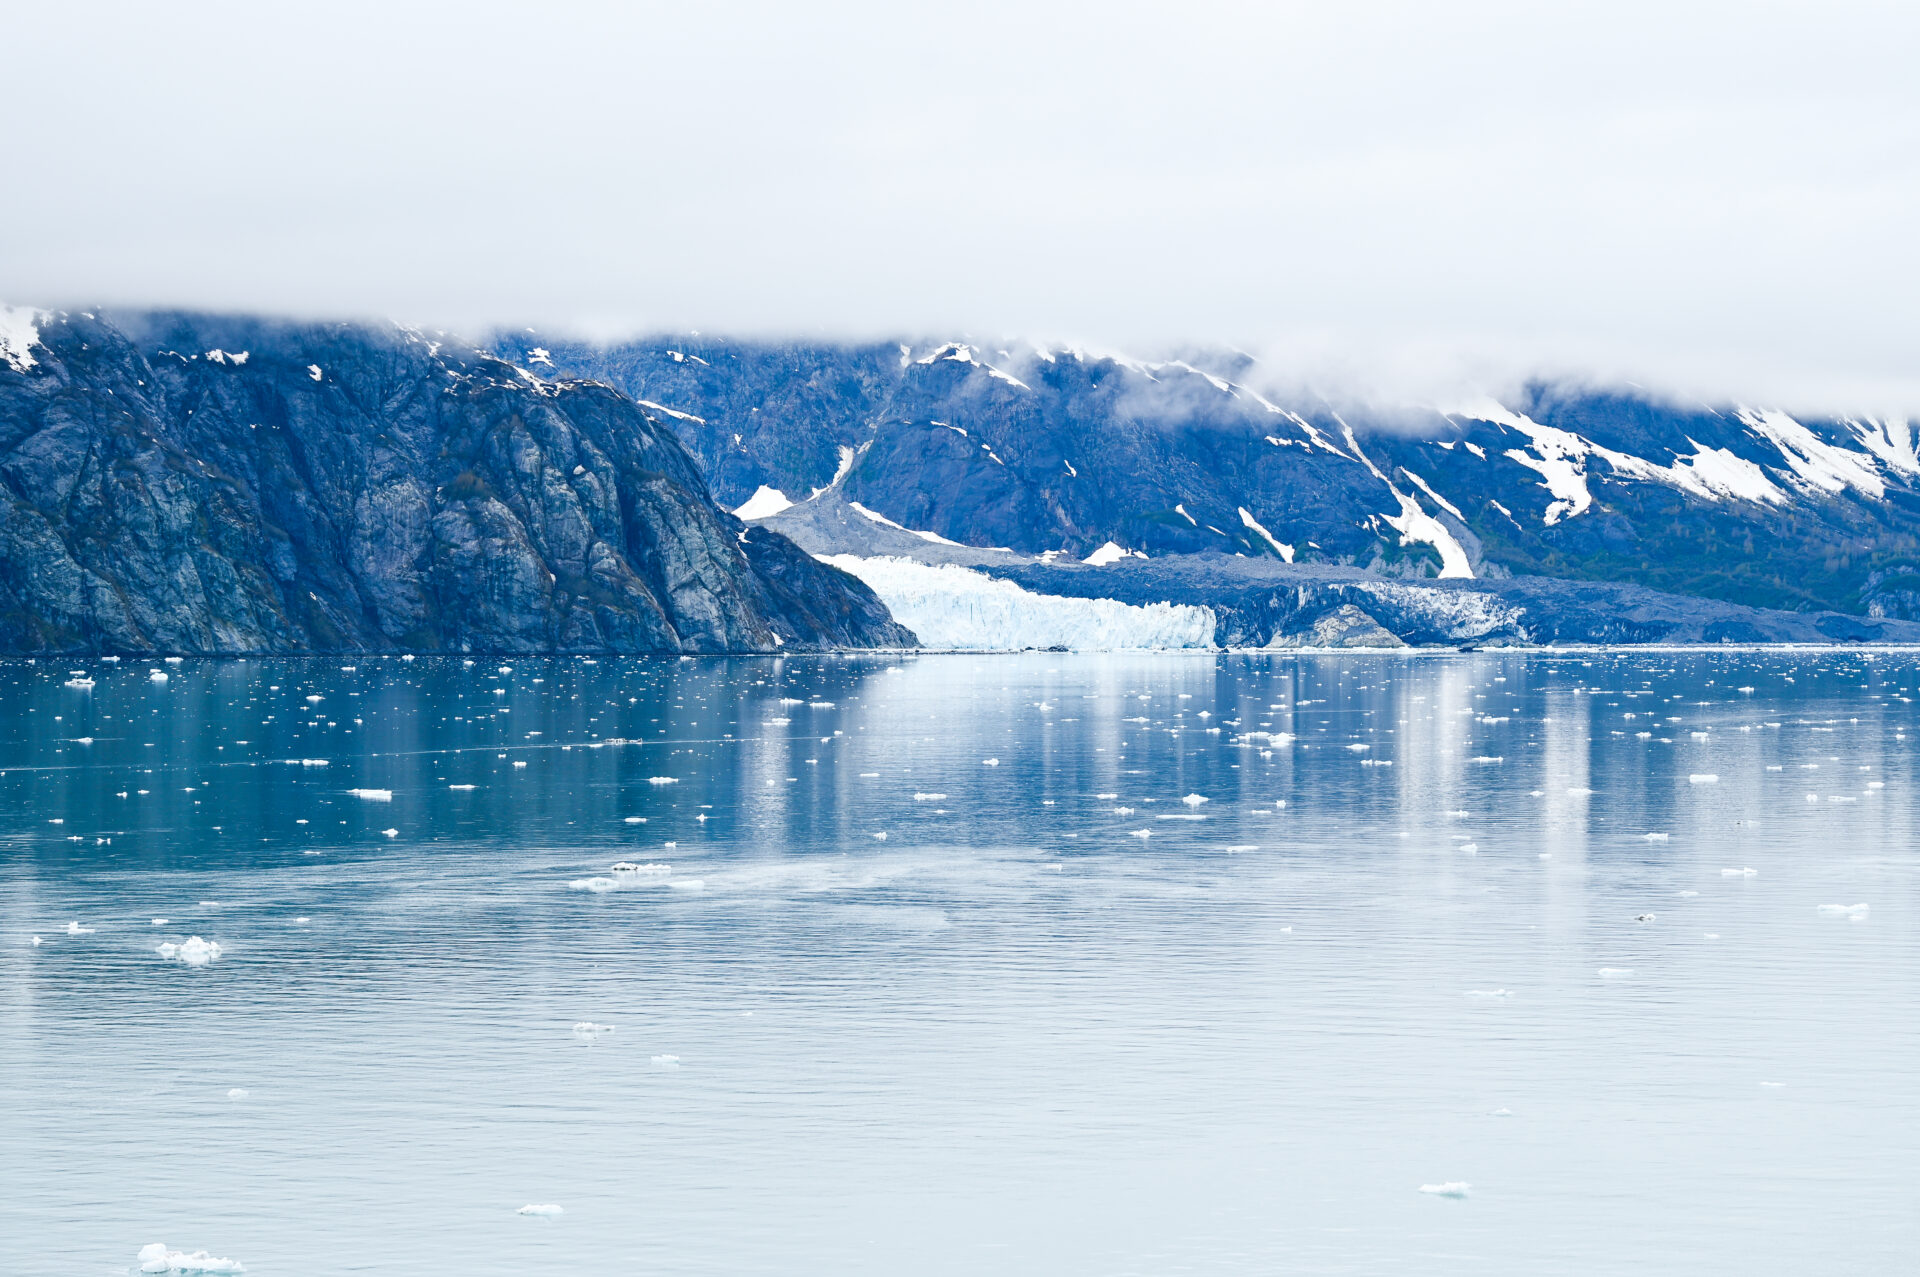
x: 199, y: 484
x: 1057, y: 452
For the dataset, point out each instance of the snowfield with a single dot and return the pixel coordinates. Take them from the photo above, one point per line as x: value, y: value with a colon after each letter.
x: 950, y: 606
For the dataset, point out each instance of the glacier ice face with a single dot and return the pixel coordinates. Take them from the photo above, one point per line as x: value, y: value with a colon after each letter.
x: 949, y: 606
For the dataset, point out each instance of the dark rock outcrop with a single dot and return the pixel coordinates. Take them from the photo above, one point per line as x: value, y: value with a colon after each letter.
x: 194, y: 484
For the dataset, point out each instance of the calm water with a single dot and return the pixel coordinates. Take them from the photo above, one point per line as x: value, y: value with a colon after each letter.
x: 1057, y: 1021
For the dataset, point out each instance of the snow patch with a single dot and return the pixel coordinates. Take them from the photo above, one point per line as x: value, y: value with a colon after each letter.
x: 1818, y: 463
x: 19, y: 334
x: 763, y: 504
x: 1112, y: 553
x: 949, y: 606
x: 675, y: 413
x: 1280, y: 547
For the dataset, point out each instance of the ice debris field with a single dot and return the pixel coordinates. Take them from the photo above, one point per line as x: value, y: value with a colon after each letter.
x: 596, y: 909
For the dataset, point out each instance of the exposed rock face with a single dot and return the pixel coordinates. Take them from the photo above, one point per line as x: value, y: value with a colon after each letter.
x: 1345, y: 626
x: 190, y: 484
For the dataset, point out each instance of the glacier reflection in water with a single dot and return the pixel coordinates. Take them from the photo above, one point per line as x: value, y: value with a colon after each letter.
x: 1475, y: 924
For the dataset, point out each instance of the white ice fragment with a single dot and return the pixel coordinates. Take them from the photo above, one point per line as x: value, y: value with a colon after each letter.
x: 1739, y: 873
x: 929, y: 798
x: 666, y: 1061
x: 1194, y: 800
x: 548, y: 1209
x: 75, y: 929
x: 1845, y: 911
x: 1489, y: 993
x: 391, y: 833
x: 597, y: 885
x: 193, y: 951
x: 1452, y: 1188
x: 1703, y: 778
x: 373, y: 795
x: 663, y: 780
x: 237, y: 1093
x: 989, y: 762
x: 587, y: 1030
x: 156, y: 1258
x: 1615, y: 973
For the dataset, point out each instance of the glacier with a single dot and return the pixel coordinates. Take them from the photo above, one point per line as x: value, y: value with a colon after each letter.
x: 949, y: 606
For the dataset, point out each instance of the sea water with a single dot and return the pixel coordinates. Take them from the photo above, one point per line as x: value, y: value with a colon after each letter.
x: 1369, y: 963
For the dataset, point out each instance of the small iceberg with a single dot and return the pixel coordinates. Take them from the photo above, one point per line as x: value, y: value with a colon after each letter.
x: 588, y: 1031
x: 194, y: 951
x: 156, y: 1258
x: 547, y: 1209
x: 1856, y: 912
x: 1703, y: 778
x: 666, y: 1061
x: 595, y: 884
x: 1455, y: 1188
x: 373, y: 795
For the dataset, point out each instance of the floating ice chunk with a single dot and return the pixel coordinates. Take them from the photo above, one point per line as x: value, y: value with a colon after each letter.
x: 519, y: 762
x: 547, y: 1209
x: 1578, y: 791
x: 989, y: 762
x: 636, y: 820
x: 160, y: 922
x: 1615, y: 973
x: 193, y: 951
x: 1194, y: 800
x: 1452, y: 1188
x: 1688, y: 894
x: 929, y: 798
x: 1470, y: 848
x: 1240, y: 847
x: 1845, y: 911
x: 882, y: 835
x: 373, y: 795
x: 1143, y: 833
x: 1489, y: 993
x: 663, y: 780
x: 1703, y: 778
x: 666, y: 1061
x: 75, y: 929
x: 1645, y: 917
x: 1657, y: 837
x: 629, y: 867
x: 391, y: 833
x: 597, y: 885
x: 156, y: 1258
x: 157, y: 676
x: 587, y: 1030
x: 1501, y: 1113
x: 1739, y: 873
x: 688, y: 884
x: 460, y: 787
x: 237, y: 1093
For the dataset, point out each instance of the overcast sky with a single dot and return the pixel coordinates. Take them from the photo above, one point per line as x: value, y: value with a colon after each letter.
x: 1720, y: 197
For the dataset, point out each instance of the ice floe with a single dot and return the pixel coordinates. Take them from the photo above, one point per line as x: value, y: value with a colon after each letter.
x: 156, y: 1258
x: 193, y: 951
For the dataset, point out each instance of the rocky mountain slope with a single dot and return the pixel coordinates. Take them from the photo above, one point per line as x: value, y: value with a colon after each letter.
x: 1059, y: 452
x: 176, y: 483
x: 1261, y: 601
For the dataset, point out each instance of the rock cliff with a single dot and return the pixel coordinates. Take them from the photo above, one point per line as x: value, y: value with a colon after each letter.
x: 195, y: 484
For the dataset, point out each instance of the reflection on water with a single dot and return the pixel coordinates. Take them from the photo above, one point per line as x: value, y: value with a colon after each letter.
x: 924, y: 965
